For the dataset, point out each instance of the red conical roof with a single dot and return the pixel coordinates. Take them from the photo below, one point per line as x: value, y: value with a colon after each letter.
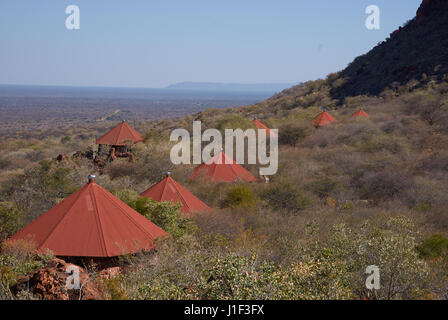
x: 323, y: 119
x: 91, y: 223
x: 222, y: 168
x: 360, y: 113
x: 119, y: 134
x: 170, y: 190
x: 260, y: 125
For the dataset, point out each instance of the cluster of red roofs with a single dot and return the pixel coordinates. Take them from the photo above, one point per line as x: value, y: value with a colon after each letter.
x: 93, y: 223
x: 325, y: 118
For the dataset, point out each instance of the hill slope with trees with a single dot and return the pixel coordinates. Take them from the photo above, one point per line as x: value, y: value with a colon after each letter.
x: 370, y: 191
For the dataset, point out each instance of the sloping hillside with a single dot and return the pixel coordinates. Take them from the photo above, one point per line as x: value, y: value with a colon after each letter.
x: 369, y: 191
x: 416, y: 53
x: 412, y: 57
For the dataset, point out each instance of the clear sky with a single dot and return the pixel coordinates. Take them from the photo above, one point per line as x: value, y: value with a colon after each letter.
x: 153, y: 43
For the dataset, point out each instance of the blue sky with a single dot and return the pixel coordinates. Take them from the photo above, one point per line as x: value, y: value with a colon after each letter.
x: 154, y: 43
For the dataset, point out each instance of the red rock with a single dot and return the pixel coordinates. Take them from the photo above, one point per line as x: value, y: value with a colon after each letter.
x: 109, y: 273
x: 50, y: 283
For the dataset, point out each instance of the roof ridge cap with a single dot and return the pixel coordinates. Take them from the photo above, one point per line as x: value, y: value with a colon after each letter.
x: 164, y: 187
x: 180, y: 194
x: 99, y: 224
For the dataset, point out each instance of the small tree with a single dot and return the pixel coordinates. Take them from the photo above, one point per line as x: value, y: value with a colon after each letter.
x: 10, y: 219
x: 166, y: 215
x: 239, y: 196
x: 285, y: 196
x: 390, y: 246
x: 291, y: 133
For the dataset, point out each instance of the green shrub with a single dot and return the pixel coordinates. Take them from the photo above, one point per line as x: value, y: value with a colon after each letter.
x: 383, y: 142
x: 18, y: 258
x: 384, y: 185
x: 348, y: 206
x: 391, y: 246
x: 292, y: 133
x: 433, y: 247
x: 155, y: 136
x: 324, y: 186
x: 238, y: 277
x: 39, y: 188
x: 166, y: 215
x: 423, y: 207
x: 66, y: 139
x: 234, y: 121
x: 119, y: 169
x: 4, y: 163
x: 115, y: 290
x: 285, y: 196
x: 239, y: 196
x: 10, y: 219
x: 161, y: 288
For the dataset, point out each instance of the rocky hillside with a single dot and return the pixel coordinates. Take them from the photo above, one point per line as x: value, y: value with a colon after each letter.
x: 413, y: 55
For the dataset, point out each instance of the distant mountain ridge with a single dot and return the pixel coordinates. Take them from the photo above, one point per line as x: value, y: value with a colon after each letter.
x: 229, y: 87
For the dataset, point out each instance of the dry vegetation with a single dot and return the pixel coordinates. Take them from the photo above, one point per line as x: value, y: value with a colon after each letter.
x: 367, y: 192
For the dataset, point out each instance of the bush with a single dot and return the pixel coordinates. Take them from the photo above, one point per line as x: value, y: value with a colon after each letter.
x: 239, y: 196
x: 437, y: 161
x: 155, y: 137
x: 384, y: 185
x: 18, y: 258
x: 10, y: 219
x: 4, y: 163
x: 66, y: 139
x: 238, y: 277
x: 377, y: 143
x: 114, y: 289
x: 166, y: 215
x: 285, y: 196
x: 39, y: 188
x: 161, y: 288
x: 426, y: 194
x: 324, y: 186
x: 234, y: 121
x: 429, y: 106
x: 292, y: 133
x: 390, y: 246
x: 433, y: 247
x: 119, y: 169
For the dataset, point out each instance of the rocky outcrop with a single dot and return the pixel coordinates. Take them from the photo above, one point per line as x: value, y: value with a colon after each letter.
x: 50, y: 283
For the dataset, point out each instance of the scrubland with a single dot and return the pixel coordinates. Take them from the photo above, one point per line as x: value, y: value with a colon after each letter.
x: 365, y: 192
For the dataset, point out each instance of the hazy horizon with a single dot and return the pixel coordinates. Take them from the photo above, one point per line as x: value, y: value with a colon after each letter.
x: 153, y: 44
x: 169, y: 86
